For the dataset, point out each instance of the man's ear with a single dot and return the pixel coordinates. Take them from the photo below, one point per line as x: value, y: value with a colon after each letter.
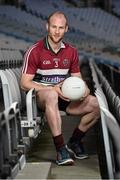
x: 47, y: 26
x: 66, y: 28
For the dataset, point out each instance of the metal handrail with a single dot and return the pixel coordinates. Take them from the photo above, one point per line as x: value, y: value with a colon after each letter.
x: 109, y: 123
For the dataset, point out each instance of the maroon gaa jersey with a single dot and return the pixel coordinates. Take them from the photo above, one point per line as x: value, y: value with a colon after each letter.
x: 47, y: 66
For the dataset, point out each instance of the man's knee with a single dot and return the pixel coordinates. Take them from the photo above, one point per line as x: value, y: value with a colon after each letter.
x: 93, y: 103
x: 48, y: 97
x: 52, y: 94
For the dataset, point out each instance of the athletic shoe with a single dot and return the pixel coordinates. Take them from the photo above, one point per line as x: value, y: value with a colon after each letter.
x: 63, y: 157
x: 77, y: 150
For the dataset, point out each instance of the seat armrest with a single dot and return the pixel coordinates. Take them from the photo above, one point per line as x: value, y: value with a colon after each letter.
x: 31, y: 105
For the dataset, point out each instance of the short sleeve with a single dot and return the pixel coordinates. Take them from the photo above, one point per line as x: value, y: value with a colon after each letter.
x: 30, y: 62
x: 75, y: 68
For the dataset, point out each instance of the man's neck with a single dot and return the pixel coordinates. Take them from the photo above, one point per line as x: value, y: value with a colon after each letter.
x: 55, y: 46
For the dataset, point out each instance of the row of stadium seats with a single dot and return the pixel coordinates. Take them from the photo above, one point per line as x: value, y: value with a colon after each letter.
x: 77, y: 35
x: 19, y: 30
x: 10, y: 42
x: 93, y: 21
x: 22, y: 17
x: 12, y: 149
x: 10, y: 58
x: 27, y: 102
x: 20, y: 122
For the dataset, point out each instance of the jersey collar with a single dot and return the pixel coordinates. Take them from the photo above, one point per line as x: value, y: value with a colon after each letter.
x: 47, y: 45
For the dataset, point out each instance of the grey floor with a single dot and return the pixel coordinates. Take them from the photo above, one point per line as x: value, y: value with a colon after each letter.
x: 43, y: 151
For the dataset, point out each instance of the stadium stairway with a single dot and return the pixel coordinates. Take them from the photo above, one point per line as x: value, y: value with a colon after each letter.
x: 43, y: 151
x: 35, y: 170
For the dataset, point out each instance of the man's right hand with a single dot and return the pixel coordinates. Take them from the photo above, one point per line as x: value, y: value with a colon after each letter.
x: 57, y: 88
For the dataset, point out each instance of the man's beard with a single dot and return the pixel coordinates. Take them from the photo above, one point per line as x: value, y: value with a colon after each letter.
x: 54, y: 39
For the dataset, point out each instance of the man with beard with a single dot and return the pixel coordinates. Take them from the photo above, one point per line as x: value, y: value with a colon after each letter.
x: 46, y: 65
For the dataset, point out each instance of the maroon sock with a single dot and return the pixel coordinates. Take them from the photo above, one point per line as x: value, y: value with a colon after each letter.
x: 58, y: 141
x: 77, y: 135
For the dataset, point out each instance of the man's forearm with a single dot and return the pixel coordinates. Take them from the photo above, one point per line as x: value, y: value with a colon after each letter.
x: 35, y: 85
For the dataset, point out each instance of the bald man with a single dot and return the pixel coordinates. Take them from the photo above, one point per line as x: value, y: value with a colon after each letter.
x: 47, y: 63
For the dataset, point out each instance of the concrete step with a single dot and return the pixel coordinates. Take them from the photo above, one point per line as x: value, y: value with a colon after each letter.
x: 35, y: 170
x: 82, y: 169
x: 43, y: 150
